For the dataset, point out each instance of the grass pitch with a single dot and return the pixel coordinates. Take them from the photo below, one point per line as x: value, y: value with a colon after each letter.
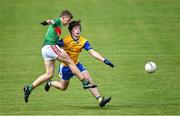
x: 128, y: 32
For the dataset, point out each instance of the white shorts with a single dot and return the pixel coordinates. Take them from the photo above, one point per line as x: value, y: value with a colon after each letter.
x: 51, y: 52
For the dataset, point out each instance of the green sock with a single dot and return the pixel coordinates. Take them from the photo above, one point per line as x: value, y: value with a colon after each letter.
x: 84, y: 82
x: 31, y: 87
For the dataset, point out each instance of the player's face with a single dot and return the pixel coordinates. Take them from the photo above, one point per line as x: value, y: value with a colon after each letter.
x: 76, y: 31
x: 66, y: 20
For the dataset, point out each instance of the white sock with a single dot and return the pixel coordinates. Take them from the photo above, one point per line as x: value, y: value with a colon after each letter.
x: 49, y: 83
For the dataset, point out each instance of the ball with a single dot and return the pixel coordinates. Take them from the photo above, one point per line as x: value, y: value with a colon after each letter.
x: 150, y: 67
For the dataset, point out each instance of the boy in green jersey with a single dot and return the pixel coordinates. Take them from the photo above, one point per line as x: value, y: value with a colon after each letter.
x: 51, y: 52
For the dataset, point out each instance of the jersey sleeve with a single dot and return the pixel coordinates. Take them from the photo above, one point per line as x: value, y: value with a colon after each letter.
x: 87, y: 46
x: 57, y: 22
x: 60, y: 43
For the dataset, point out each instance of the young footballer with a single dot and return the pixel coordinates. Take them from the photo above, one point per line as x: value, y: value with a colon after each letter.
x: 73, y: 45
x: 52, y: 52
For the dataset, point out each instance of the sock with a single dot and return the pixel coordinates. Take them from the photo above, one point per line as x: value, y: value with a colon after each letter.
x: 84, y: 82
x: 49, y: 83
x: 30, y: 87
x: 99, y: 99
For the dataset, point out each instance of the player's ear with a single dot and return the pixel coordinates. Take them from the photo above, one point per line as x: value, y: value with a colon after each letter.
x: 62, y: 17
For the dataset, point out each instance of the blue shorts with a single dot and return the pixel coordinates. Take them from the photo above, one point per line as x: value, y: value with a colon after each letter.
x: 66, y: 72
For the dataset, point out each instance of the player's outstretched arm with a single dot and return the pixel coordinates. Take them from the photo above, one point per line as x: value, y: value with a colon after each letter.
x: 101, y: 58
x: 47, y: 22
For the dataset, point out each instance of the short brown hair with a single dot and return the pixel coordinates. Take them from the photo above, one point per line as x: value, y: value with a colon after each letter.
x: 72, y: 24
x: 66, y: 13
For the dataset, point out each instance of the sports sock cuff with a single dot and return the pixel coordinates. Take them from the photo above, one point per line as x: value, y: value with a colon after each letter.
x: 49, y: 83
x: 98, y: 97
x: 84, y: 82
x: 30, y: 87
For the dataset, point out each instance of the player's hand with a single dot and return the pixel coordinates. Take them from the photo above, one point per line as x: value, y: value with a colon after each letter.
x: 106, y: 61
x: 44, y: 23
x: 60, y: 43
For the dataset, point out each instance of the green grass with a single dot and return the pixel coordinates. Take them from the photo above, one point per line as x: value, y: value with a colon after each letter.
x: 128, y: 32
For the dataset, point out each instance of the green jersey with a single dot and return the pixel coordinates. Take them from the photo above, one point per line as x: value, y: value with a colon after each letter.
x: 53, y: 32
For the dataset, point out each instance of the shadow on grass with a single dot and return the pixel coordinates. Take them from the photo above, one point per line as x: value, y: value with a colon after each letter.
x: 87, y: 107
x: 108, y: 107
x: 118, y: 107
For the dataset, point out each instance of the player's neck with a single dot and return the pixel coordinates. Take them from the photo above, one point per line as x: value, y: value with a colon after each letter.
x: 75, y: 38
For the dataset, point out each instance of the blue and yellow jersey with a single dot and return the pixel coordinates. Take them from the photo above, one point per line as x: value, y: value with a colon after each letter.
x: 74, y: 47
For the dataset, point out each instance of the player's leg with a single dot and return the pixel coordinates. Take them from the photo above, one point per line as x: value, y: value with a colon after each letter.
x: 61, y: 85
x: 64, y: 57
x: 94, y: 91
x: 65, y: 74
x: 49, y: 61
x: 49, y: 66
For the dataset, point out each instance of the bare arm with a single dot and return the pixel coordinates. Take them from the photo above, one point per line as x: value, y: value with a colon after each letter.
x: 96, y: 55
x: 101, y: 58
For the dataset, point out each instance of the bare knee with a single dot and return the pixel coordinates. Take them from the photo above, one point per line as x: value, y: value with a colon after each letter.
x: 49, y: 76
x: 64, y: 88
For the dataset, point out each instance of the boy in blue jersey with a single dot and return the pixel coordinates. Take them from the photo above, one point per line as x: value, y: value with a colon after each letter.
x: 73, y: 45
